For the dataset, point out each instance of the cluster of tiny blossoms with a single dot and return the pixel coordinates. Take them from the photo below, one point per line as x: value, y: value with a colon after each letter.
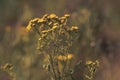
x: 92, y: 68
x: 52, y: 21
x: 55, y: 40
x: 50, y: 27
x: 9, y: 69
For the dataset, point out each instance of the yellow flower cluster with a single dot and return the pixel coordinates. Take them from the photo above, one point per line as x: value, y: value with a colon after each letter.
x: 57, y: 37
x: 32, y: 23
x: 64, y: 58
x: 92, y: 67
x: 7, y: 66
x: 53, y: 16
x: 48, y: 20
x: 9, y: 69
x: 51, y: 27
x: 92, y: 63
x: 73, y: 28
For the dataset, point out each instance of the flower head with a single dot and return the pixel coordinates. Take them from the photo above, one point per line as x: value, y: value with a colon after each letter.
x: 53, y: 16
x: 64, y: 58
x: 67, y: 15
x: 7, y: 66
x: 32, y: 23
x: 89, y: 62
x: 29, y: 27
x: 74, y: 28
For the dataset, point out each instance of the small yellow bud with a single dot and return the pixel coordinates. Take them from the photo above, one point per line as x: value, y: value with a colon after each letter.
x: 44, y: 31
x: 97, y: 63
x: 45, y: 16
x: 7, y: 66
x: 67, y: 15
x: 53, y: 16
x: 41, y: 20
x: 28, y: 27
x: 35, y: 20
x: 74, y: 28
x: 69, y: 57
x: 54, y: 27
x: 89, y: 62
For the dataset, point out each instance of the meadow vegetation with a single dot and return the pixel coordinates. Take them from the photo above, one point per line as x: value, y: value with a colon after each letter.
x: 39, y: 46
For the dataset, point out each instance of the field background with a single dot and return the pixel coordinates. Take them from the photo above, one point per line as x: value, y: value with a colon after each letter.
x: 99, y: 21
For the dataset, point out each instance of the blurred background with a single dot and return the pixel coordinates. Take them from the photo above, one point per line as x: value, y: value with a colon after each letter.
x: 99, y: 37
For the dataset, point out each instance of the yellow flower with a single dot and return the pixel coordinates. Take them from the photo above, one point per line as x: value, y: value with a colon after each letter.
x: 67, y: 15
x: 31, y: 23
x: 61, y: 57
x: 49, y: 23
x: 63, y: 18
x: 45, y: 31
x: 45, y: 16
x: 89, y: 62
x: 53, y: 16
x: 70, y: 56
x: 74, y: 28
x: 34, y: 20
x: 54, y: 27
x: 97, y: 63
x: 55, y: 24
x: 7, y: 66
x: 41, y: 20
x: 64, y: 58
x: 29, y: 27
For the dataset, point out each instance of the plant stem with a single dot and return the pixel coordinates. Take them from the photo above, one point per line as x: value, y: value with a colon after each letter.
x: 52, y: 66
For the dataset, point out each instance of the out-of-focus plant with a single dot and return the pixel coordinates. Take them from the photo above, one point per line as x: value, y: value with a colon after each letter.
x: 9, y: 69
x: 55, y: 41
x: 89, y: 30
x: 91, y: 69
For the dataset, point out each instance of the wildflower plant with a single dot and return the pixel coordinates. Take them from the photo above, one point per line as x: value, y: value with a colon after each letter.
x: 9, y: 69
x: 55, y: 40
x: 92, y: 67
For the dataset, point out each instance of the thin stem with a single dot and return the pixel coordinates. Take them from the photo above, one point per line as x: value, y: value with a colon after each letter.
x: 71, y: 77
x: 52, y: 66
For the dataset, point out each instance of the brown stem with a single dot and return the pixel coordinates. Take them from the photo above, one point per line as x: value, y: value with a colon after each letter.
x: 52, y: 66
